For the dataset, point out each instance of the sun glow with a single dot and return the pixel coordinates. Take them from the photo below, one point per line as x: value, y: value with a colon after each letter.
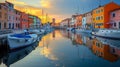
x: 45, y: 4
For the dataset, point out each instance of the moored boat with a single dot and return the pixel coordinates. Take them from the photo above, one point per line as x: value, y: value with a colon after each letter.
x: 107, y: 33
x: 83, y: 31
x: 38, y: 32
x: 21, y: 40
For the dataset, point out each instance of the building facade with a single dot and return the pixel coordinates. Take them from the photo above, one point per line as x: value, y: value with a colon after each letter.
x: 24, y: 21
x: 73, y: 21
x: 3, y: 16
x: 11, y: 24
x: 89, y: 22
x: 79, y: 20
x: 84, y: 21
x: 17, y: 17
x: 65, y: 23
x: 101, y: 15
x: 115, y: 19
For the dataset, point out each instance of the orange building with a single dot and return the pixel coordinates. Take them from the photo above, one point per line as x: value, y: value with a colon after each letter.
x: 78, y: 20
x: 103, y: 50
x: 101, y: 15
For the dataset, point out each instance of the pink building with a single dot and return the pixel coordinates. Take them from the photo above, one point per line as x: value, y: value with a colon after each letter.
x: 11, y: 24
x: 17, y: 16
x: 115, y: 19
x: 24, y: 21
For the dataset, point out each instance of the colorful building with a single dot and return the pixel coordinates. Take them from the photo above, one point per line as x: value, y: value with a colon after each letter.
x: 24, y: 21
x: 89, y: 20
x: 3, y: 16
x: 36, y: 21
x: 11, y: 24
x: 79, y: 20
x: 17, y: 17
x: 84, y: 21
x: 73, y: 21
x: 115, y: 19
x: 65, y: 23
x: 101, y: 15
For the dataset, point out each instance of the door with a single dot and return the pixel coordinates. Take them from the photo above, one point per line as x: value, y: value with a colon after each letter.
x: 119, y: 25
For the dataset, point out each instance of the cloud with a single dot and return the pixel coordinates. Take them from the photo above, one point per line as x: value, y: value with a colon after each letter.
x: 16, y: 2
x: 45, y: 3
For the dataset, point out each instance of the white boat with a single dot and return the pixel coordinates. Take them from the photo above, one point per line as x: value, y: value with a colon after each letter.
x: 69, y: 29
x: 21, y: 40
x: 83, y: 31
x: 108, y: 33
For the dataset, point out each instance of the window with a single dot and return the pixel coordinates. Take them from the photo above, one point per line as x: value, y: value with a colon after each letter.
x: 0, y: 25
x: 0, y: 7
x: 9, y: 25
x: 101, y: 17
x: 119, y: 25
x: 16, y: 25
x: 5, y: 25
x: 9, y: 17
x: 98, y: 11
x: 101, y: 10
x: 113, y: 15
x: 0, y: 15
x: 98, y: 18
x: 114, y: 24
x: 13, y: 26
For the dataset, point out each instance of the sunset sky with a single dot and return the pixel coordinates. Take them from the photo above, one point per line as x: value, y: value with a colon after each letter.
x: 59, y: 9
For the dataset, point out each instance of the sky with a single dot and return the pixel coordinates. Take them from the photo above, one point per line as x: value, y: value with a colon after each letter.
x: 58, y: 9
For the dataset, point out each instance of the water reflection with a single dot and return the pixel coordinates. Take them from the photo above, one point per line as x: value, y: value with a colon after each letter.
x: 17, y: 55
x: 103, y: 50
x: 66, y: 49
x: 45, y: 50
x: 106, y: 48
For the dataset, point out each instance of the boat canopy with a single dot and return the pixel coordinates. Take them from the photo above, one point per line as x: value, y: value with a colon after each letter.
x: 21, y: 36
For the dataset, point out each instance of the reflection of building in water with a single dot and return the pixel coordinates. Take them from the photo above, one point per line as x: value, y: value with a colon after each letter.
x: 103, y: 50
x: 53, y: 34
x: 79, y: 39
x: 115, y: 51
x: 89, y: 42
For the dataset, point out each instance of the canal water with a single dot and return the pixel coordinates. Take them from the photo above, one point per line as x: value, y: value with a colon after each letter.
x: 65, y: 49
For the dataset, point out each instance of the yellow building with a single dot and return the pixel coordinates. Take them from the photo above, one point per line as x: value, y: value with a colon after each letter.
x: 101, y: 15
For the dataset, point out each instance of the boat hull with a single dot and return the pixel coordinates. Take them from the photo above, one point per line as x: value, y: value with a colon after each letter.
x: 15, y: 43
x: 108, y: 34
